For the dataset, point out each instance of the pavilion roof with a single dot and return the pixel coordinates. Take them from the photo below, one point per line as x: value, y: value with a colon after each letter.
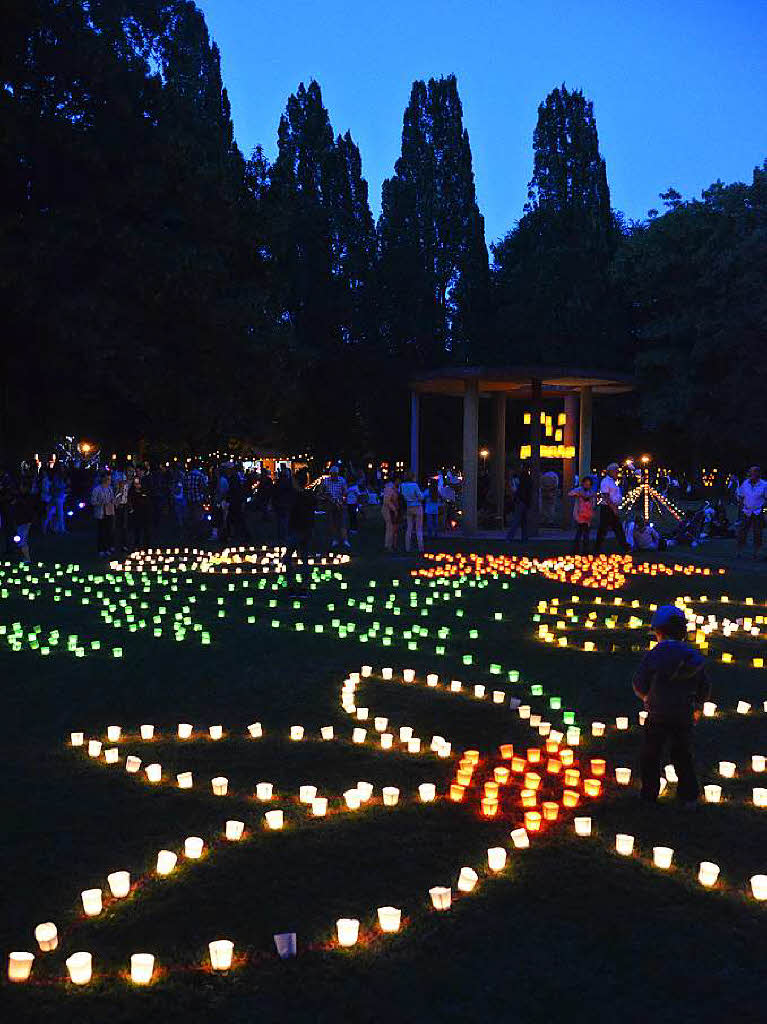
x: 517, y: 380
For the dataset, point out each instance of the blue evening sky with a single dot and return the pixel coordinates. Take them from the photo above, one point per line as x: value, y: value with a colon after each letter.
x: 679, y: 87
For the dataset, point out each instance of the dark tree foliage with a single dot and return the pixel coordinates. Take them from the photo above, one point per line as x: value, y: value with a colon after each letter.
x: 555, y: 300
x: 433, y: 273
x: 696, y: 277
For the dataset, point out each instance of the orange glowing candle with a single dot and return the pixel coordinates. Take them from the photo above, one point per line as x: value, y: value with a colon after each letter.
x: 592, y: 787
x: 456, y: 792
x: 463, y: 777
x: 566, y: 757
x: 550, y: 810
x: 570, y: 798
x: 472, y: 756
x: 533, y: 821
x: 501, y: 775
x: 507, y: 751
x: 532, y: 780
x: 572, y: 777
x: 553, y: 766
x: 489, y: 807
x: 518, y: 764
x: 534, y: 755
x: 598, y: 766
x: 528, y: 797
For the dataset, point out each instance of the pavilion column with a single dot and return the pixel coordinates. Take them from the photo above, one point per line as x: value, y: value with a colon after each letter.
x: 470, y: 455
x: 415, y: 428
x: 584, y: 441
x: 533, y: 516
x: 568, y: 467
x: 499, y: 409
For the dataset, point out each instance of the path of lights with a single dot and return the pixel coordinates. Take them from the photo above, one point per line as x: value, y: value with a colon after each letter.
x: 261, y: 561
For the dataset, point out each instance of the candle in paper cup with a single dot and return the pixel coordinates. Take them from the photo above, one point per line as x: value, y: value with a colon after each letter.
x: 306, y: 794
x: 255, y: 730
x: 496, y: 858
x: 390, y: 796
x: 347, y: 929
x: 352, y: 798
x: 80, y: 968
x: 757, y: 762
x: 358, y: 735
x: 582, y: 826
x: 319, y: 806
x: 132, y: 763
x: 20, y: 966
x: 166, y: 862
x: 119, y: 884
x: 467, y: 879
x: 408, y: 674
x: 184, y: 730
x: 624, y: 844
x: 274, y: 819
x: 727, y: 769
x: 760, y: 796
x: 220, y: 785
x: 147, y: 732
x: 440, y: 897
x: 154, y: 772
x: 708, y: 873
x: 234, y: 830
x: 193, y: 847
x: 92, y: 903
x: 427, y: 792
x: 184, y: 780
x: 112, y: 755
x: 405, y: 733
x: 662, y: 856
x: 221, y: 951
x: 76, y: 739
x: 623, y: 776
x: 113, y: 733
x: 759, y: 887
x: 414, y: 745
x: 296, y: 732
x: 712, y: 793
x: 520, y: 838
x: 389, y: 918
x: 47, y: 936
x: 94, y: 748
x: 387, y: 739
x: 141, y: 968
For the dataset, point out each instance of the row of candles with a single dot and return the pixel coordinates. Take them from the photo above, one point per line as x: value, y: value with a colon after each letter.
x: 264, y: 560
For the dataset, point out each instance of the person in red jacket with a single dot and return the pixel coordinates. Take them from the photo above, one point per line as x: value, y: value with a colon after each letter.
x: 672, y: 683
x: 584, y: 507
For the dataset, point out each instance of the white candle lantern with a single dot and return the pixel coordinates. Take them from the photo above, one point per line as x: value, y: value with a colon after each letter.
x: 624, y: 844
x: 220, y: 785
x: 427, y: 791
x: 46, y: 936
x: 709, y: 709
x: 389, y: 918
x: 414, y: 745
x: 387, y: 739
x: 662, y: 856
x: 436, y: 743
x: 80, y: 967
x: 256, y: 731
x: 352, y: 799
x: 94, y: 748
x: 582, y: 826
x: 708, y: 873
x: 141, y: 968
x: 184, y: 730
x: 496, y: 858
x: 405, y: 733
x: 380, y: 724
x: 112, y: 755
x: 221, y: 951
x: 520, y: 838
x: 390, y: 796
x: 535, y: 721
x: 597, y: 728
x: 166, y: 862
x: 274, y: 819
x: 20, y: 966
x: 306, y: 794
x: 132, y: 763
x: 319, y: 806
x: 670, y: 773
x: 362, y: 714
x: 432, y: 679
x: 621, y: 722
x: 759, y: 887
x: 642, y: 716
x: 234, y: 830
x: 365, y: 790
x: 77, y: 739
x: 445, y: 749
x: 154, y: 772
x: 757, y: 762
x: 712, y: 793
x: 326, y: 732
x: 147, y: 732
x: 455, y: 686
x: 727, y: 769
x: 92, y: 903
x: 499, y: 696
x: 358, y: 735
x: 408, y: 674
x: 184, y: 780
x: 623, y: 776
x: 467, y: 879
x: 573, y: 736
x: 440, y: 897
x: 347, y: 929
x: 523, y: 710
x: 386, y: 673
x: 264, y: 791
x: 760, y: 796
x: 296, y: 732
x: 113, y: 733
x: 119, y: 884
x: 479, y: 691
x: 743, y: 707
x: 366, y: 670
x: 193, y: 847
x: 216, y: 731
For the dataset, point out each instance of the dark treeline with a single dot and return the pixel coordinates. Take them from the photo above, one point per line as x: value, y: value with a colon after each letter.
x: 157, y: 285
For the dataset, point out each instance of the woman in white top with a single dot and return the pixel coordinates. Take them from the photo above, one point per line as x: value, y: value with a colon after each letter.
x: 609, y: 505
x: 413, y: 496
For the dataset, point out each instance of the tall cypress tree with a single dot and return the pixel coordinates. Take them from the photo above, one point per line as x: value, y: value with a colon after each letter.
x: 433, y: 270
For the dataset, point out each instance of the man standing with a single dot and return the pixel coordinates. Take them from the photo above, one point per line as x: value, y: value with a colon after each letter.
x: 335, y: 490
x: 103, y: 501
x: 194, y: 494
x: 752, y: 498
x: 609, y: 504
x: 521, y: 506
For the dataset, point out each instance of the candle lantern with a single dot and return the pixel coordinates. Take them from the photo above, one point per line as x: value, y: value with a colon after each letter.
x: 582, y: 826
x: 112, y: 755
x: 307, y: 793
x: 365, y: 790
x: 597, y: 728
x: 624, y: 844
x: 94, y: 748
x: 132, y: 763
x: 566, y: 757
x: 572, y: 776
x: 141, y: 968
x: 408, y: 674
x: 489, y: 806
x: 598, y: 766
x: 501, y: 775
x: 709, y: 709
x: 623, y: 776
x: 274, y: 819
x: 264, y: 791
x: 550, y: 810
x: 456, y: 792
x: 358, y: 735
x: 518, y: 764
x: 113, y: 733
x: 455, y: 686
x: 533, y: 821
x: 621, y: 722
x: 467, y: 879
x: 712, y: 793
x: 147, y: 732
x: 46, y: 936
x: 296, y: 732
x: 154, y: 772
x: 496, y: 858
x: 532, y: 780
x: 479, y: 691
x: 380, y: 724
x: 193, y: 847
x: 220, y: 785
x: 432, y: 679
x: 119, y: 884
x: 757, y: 762
x: 166, y: 862
x: 533, y: 755
x: 80, y: 967
x: 440, y: 897
x: 592, y: 787
x: 520, y: 838
x: 535, y: 721
x: 507, y: 751
x: 76, y: 739
x: 221, y: 951
x: 347, y: 929
x: 405, y: 733
x: 414, y: 745
x: 760, y: 797
x: 20, y: 966
x: 386, y: 673
x: 759, y: 887
x: 184, y: 780
x: 662, y: 856
x: 389, y: 918
x: 234, y: 830
x: 352, y: 798
x: 92, y: 904
x: 319, y: 806
x: 256, y: 731
x: 285, y: 944
x: 570, y: 798
x: 743, y: 707
x: 708, y: 873
x: 573, y: 736
x: 528, y: 798
x: 727, y: 769
x: 427, y: 792
x: 216, y: 732
x: 362, y: 714
x: 184, y: 730
x: 387, y: 739
x: 523, y: 710
x: 366, y: 670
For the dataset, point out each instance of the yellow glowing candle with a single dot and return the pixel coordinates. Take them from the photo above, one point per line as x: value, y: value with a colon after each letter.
x: 20, y: 966
x: 570, y: 798
x: 296, y: 732
x: 597, y: 728
x: 550, y: 810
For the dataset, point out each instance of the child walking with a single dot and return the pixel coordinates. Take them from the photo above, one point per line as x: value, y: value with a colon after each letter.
x: 584, y: 507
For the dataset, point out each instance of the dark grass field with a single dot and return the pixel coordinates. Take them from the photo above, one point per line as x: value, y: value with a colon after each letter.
x: 570, y: 931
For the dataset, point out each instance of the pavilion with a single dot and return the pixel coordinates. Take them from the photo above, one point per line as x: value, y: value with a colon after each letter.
x: 533, y: 384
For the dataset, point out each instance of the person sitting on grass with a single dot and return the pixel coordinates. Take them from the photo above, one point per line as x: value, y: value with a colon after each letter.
x: 673, y: 684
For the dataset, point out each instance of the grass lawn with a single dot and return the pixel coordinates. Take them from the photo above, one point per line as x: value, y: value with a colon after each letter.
x: 569, y: 931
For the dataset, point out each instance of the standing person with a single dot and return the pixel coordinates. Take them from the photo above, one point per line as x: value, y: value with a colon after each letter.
x: 103, y: 501
x: 301, y: 520
x: 141, y: 512
x: 352, y: 502
x: 609, y: 519
x: 431, y: 508
x: 195, y: 486
x: 59, y: 492
x: 49, y: 504
x: 236, y: 498
x: 121, y: 488
x: 521, y: 506
x: 584, y: 507
x: 390, y: 513
x: 413, y: 496
x: 282, y: 502
x: 672, y: 683
x: 334, y: 491
x: 178, y: 497
x: 752, y: 498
